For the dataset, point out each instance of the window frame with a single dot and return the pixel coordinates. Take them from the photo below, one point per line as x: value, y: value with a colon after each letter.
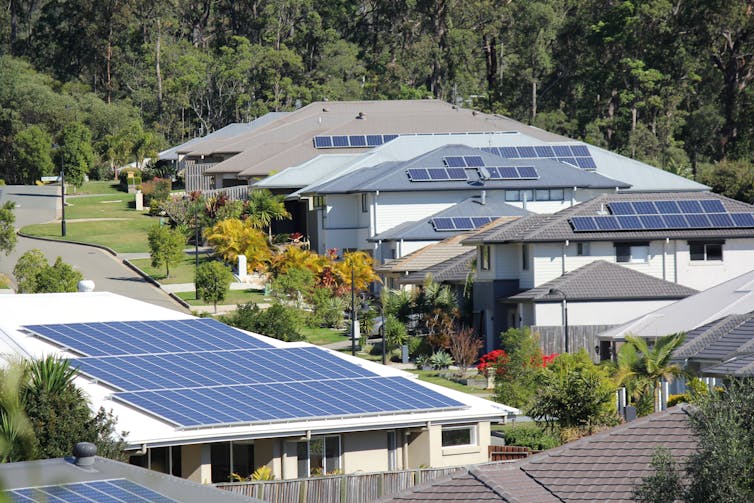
x: 525, y: 257
x: 484, y: 257
x: 473, y: 435
x: 307, y: 461
x: 706, y: 245
x: 628, y: 255
x: 364, y: 203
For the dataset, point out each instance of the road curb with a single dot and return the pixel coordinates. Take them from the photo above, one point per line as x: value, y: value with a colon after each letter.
x: 40, y: 238
x: 151, y: 280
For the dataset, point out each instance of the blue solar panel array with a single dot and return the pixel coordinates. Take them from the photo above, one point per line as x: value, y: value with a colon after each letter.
x: 575, y: 155
x: 100, y: 491
x: 353, y: 141
x: 463, y: 161
x: 198, y: 407
x: 146, y: 337
x: 217, y: 368
x: 658, y: 215
x: 436, y: 174
x: 460, y: 223
x: 183, y: 370
x: 509, y: 173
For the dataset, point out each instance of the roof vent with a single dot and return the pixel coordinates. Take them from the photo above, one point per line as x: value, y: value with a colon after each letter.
x: 484, y: 197
x: 85, y: 285
x: 361, y: 115
x: 325, y: 109
x: 602, y: 211
x: 84, y: 453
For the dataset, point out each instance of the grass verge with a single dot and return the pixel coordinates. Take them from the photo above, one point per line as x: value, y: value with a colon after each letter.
x: 233, y: 297
x: 123, y: 236
x: 322, y: 336
x: 98, y: 187
x: 434, y: 377
x: 179, y: 273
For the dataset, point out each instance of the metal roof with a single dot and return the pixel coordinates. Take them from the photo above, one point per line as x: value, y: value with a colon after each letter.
x: 556, y: 227
x: 735, y: 296
x: 59, y: 471
x: 316, y: 170
x: 392, y: 176
x: 601, y: 280
x: 424, y: 230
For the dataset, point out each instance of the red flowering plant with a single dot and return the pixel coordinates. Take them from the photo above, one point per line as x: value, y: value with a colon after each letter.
x: 494, y: 361
x: 548, y: 359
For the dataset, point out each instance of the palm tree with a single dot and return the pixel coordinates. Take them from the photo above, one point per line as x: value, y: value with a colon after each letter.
x: 264, y: 207
x: 642, y: 366
x: 17, y: 441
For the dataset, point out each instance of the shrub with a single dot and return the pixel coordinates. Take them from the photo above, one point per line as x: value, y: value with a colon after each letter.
x: 532, y: 436
x: 278, y: 321
x: 155, y: 192
x: 395, y: 332
x: 327, y: 309
x: 441, y: 360
x: 418, y: 346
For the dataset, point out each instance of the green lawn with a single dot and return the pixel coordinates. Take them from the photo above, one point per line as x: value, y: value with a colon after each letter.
x: 233, y: 297
x: 181, y: 273
x: 98, y: 187
x: 322, y: 336
x: 123, y: 236
x: 4, y: 282
x: 434, y: 377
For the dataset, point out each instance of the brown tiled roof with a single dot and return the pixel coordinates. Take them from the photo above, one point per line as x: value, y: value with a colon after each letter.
x: 427, y: 256
x: 548, y: 228
x: 601, y: 280
x: 455, y: 270
x: 602, y: 467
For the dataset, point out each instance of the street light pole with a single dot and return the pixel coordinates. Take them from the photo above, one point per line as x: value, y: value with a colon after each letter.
x: 196, y: 247
x: 555, y: 291
x: 353, y: 314
x: 62, y: 193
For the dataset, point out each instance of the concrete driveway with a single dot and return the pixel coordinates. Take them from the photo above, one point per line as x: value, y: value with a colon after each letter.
x: 42, y: 204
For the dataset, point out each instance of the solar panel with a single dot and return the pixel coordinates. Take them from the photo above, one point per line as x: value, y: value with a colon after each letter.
x: 474, y: 161
x: 374, y: 140
x: 544, y: 151
x: 720, y: 220
x: 357, y: 141
x: 652, y: 222
x: 645, y: 208
x: 583, y: 224
x: 437, y: 173
x: 743, y: 219
x: 676, y: 221
x: 340, y: 141
x: 455, y: 161
x: 418, y: 174
x: 463, y: 223
x: 621, y: 208
x: 690, y: 206
x: 527, y: 172
x: 502, y: 173
x: 216, y: 368
x: 586, y: 163
x: 580, y: 151
x: 389, y: 137
x: 456, y: 173
x: 527, y: 152
x: 712, y: 206
x: 667, y: 207
x: 562, y: 150
x: 141, y: 337
x: 629, y: 222
x: 105, y: 491
x: 509, y: 152
x: 569, y: 160
x: 322, y: 142
x: 241, y: 404
x: 607, y: 223
x: 480, y: 221
x: 698, y: 221
x: 443, y: 224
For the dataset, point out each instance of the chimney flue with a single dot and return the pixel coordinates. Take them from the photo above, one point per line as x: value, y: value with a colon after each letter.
x: 484, y: 197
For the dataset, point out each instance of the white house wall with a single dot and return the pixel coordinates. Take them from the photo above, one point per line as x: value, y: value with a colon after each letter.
x: 738, y: 258
x: 396, y: 208
x: 594, y: 313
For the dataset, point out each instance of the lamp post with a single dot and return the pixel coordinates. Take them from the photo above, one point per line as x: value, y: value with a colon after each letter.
x: 196, y: 247
x: 55, y: 146
x: 353, y: 314
x: 555, y: 291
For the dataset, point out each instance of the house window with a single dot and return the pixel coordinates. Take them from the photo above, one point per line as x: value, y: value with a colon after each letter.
x: 512, y: 195
x: 319, y: 456
x: 706, y: 250
x: 364, y: 203
x: 484, y: 257
x: 582, y: 249
x: 549, y: 194
x: 557, y: 195
x: 319, y: 201
x: 525, y: 257
x: 231, y: 457
x: 456, y: 436
x: 527, y: 195
x: 632, y: 252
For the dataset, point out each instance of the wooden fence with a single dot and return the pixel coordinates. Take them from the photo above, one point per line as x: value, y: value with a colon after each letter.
x: 351, y: 488
x: 508, y: 452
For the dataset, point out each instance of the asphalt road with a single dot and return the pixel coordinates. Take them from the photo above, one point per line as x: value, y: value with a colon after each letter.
x: 42, y: 204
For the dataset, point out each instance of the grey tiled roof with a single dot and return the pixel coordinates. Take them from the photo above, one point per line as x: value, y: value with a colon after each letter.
x: 469, y: 207
x: 602, y: 467
x: 601, y: 280
x: 544, y: 228
x: 391, y: 176
x: 454, y: 270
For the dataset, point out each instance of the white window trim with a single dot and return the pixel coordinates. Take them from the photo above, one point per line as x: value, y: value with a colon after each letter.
x: 473, y: 436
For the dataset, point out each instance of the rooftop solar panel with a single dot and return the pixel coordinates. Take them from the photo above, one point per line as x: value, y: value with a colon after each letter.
x: 676, y: 221
x: 527, y: 152
x: 621, y: 208
x: 544, y: 151
x: 463, y: 223
x: 456, y: 173
x: 583, y: 224
x: 142, y: 337
x: 698, y: 221
x: 216, y: 368
x: 357, y: 141
x: 580, y: 151
x: 418, y: 174
x: 690, y: 206
x: 528, y: 172
x: 443, y: 224
x: 374, y: 140
x: 652, y: 222
x: 322, y: 142
x: 340, y: 141
x: 645, y: 208
x: 389, y: 137
x: 437, y: 173
x: 743, y: 219
x: 629, y: 222
x: 569, y: 160
x: 455, y: 161
x: 105, y: 491
x: 226, y: 405
x: 509, y: 152
x: 480, y: 221
x: 667, y: 207
x: 474, y: 161
x: 722, y: 220
x: 562, y: 150
x: 607, y: 223
x: 712, y: 206
x: 586, y: 163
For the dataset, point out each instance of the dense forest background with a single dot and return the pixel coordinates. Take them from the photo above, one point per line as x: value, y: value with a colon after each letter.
x: 664, y: 81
